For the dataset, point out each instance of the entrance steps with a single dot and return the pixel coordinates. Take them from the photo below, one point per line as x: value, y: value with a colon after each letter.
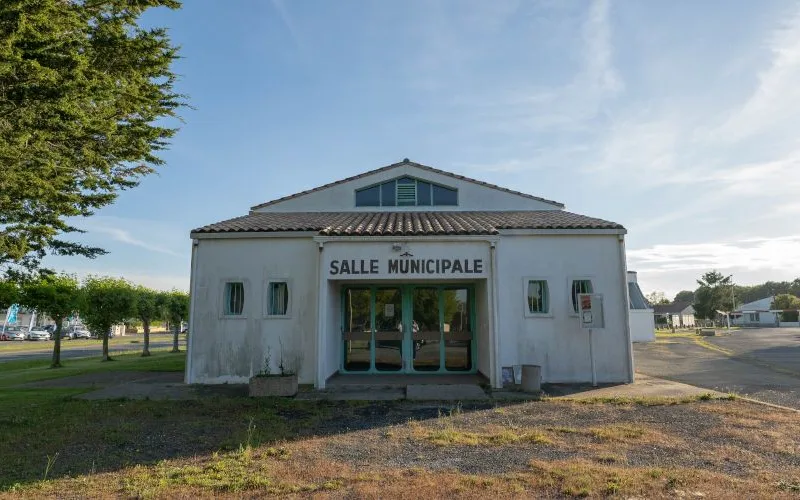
x: 391, y: 387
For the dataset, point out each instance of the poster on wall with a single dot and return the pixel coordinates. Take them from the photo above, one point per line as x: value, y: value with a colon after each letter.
x: 591, y: 310
x: 508, y: 375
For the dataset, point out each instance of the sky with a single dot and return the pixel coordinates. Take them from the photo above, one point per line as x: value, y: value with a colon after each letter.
x: 678, y: 120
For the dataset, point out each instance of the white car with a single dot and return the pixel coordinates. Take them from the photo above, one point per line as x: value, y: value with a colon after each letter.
x: 12, y: 334
x: 38, y: 334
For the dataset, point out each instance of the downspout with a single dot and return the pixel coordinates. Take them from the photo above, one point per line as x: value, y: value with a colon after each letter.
x: 319, y: 376
x: 626, y: 306
x: 495, y: 340
x: 189, y: 376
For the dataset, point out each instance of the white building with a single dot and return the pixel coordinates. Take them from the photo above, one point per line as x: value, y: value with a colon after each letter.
x: 756, y: 313
x: 407, y: 270
x: 642, y: 321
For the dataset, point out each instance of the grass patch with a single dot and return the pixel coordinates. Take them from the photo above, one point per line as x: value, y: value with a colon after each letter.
x: 643, y: 400
x: 618, y: 432
x: 449, y: 435
x: 23, y: 371
x: 66, y: 344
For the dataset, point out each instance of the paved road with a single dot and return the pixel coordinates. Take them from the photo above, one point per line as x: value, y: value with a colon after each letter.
x: 44, y: 350
x: 761, y: 363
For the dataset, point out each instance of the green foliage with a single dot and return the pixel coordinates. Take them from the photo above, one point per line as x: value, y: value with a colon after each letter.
x: 106, y: 302
x: 177, y: 307
x: 82, y: 87
x: 790, y: 305
x: 9, y: 292
x: 684, y: 296
x: 715, y: 294
x: 147, y: 307
x: 54, y: 295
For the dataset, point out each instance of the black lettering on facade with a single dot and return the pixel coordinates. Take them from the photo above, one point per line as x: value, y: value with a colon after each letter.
x: 478, y: 265
x: 393, y: 266
x: 334, y: 267
x: 404, y: 267
x: 373, y: 266
x: 415, y: 266
x: 446, y: 264
x: 457, y: 266
x: 344, y: 268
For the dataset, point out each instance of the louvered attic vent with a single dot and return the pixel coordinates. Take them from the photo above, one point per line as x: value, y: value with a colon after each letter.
x: 407, y: 193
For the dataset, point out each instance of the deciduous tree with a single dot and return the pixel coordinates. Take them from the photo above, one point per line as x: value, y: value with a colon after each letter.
x: 146, y: 311
x: 106, y: 302
x: 55, y: 295
x: 178, y: 311
x: 84, y: 91
x: 684, y: 296
x: 787, y: 303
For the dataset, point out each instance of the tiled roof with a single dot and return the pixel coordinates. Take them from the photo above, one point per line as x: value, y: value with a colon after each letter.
x: 673, y: 308
x: 406, y: 223
x: 413, y: 164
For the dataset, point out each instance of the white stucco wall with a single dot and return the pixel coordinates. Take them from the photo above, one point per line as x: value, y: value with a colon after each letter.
x: 643, y: 326
x: 556, y: 341
x: 233, y: 349
x: 471, y: 196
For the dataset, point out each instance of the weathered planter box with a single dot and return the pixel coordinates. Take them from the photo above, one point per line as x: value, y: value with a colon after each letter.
x: 273, y: 385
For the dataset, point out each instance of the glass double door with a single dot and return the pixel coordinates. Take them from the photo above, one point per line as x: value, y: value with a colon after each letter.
x: 409, y: 329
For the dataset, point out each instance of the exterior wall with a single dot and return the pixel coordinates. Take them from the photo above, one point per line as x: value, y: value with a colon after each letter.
x: 225, y: 349
x: 557, y: 342
x: 471, y: 196
x: 643, y: 327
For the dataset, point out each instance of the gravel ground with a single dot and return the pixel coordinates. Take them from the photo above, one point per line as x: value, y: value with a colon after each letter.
x: 689, y: 435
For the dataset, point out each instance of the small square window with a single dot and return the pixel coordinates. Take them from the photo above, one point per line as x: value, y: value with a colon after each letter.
x: 234, y: 298
x: 277, y: 298
x: 580, y: 286
x: 538, y: 297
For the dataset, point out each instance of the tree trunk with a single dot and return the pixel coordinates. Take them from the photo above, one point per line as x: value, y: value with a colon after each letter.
x: 176, y: 329
x: 146, y: 327
x: 56, y: 363
x: 106, y: 357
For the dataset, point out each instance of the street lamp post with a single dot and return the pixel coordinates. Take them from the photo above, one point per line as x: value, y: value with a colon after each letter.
x: 733, y: 303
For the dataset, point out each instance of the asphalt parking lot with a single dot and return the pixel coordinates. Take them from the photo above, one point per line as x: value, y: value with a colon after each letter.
x: 763, y: 363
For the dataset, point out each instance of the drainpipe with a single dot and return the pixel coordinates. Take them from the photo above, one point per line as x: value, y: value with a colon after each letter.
x: 626, y: 306
x: 189, y: 376
x: 322, y: 303
x: 495, y: 340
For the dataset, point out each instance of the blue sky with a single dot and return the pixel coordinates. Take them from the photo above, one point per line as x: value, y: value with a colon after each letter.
x: 677, y: 119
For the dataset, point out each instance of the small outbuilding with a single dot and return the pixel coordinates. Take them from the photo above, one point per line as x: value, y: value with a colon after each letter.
x: 409, y: 270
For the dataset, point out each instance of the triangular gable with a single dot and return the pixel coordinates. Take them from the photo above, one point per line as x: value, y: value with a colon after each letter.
x: 405, y: 167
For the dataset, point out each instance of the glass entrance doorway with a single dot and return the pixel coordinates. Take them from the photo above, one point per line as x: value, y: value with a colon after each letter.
x: 408, y: 329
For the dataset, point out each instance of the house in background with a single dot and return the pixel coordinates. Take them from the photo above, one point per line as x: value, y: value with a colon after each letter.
x: 756, y: 313
x: 677, y: 314
x: 642, y: 321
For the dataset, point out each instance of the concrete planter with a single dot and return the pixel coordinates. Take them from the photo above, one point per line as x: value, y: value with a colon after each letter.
x: 273, y: 385
x: 532, y: 378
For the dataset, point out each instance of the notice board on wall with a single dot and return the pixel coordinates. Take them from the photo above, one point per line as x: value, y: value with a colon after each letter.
x: 590, y: 311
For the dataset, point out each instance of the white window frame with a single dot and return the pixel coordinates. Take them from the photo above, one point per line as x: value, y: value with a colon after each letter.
x: 570, y: 279
x: 222, y: 298
x: 526, y: 309
x: 290, y: 291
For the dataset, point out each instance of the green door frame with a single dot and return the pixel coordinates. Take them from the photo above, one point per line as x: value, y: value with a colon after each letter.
x: 406, y: 291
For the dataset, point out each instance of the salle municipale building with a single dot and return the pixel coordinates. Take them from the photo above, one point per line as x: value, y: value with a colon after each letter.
x: 407, y: 269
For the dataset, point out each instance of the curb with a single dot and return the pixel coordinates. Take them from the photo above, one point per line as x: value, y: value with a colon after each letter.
x: 764, y: 403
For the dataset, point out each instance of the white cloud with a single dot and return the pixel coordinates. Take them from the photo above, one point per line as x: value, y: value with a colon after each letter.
x: 155, y: 281
x: 153, y: 236
x: 782, y: 253
x: 776, y: 99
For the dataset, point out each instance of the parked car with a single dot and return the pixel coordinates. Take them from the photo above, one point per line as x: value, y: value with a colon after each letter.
x: 38, y: 334
x: 76, y: 333
x: 82, y: 334
x: 12, y: 333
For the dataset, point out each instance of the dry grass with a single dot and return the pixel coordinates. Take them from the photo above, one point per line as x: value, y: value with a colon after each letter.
x: 578, y: 450
x: 448, y: 435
